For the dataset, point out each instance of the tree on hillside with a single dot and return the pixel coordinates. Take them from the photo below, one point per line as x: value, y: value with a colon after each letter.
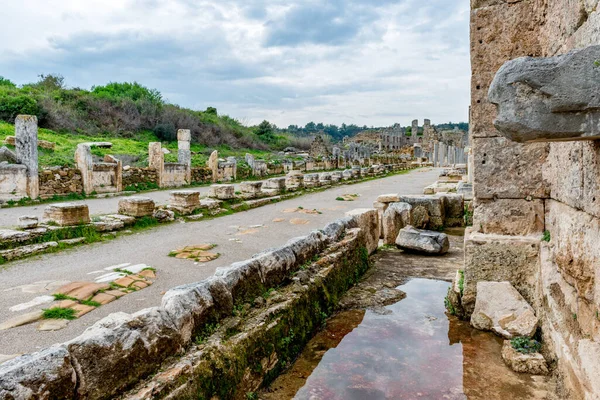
x: 264, y: 129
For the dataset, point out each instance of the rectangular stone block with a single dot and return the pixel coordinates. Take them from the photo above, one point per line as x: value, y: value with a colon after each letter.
x: 433, y: 205
x: 508, y: 170
x: 222, y: 192
x: 499, y: 258
x: 454, y: 209
x: 251, y: 190
x: 184, y: 201
x: 136, y: 206
x: 516, y: 217
x: 67, y: 214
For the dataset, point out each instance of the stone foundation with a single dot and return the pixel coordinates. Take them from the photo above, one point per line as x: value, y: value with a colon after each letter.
x: 136, y: 207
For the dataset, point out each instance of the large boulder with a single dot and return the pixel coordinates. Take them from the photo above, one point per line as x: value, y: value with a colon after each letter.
x: 559, y: 94
x: 501, y: 309
x: 421, y: 241
x: 396, y: 217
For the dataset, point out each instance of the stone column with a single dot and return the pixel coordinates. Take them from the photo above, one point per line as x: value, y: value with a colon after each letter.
x: 213, y: 165
x: 233, y: 162
x: 84, y: 162
x: 184, y: 155
x: 156, y: 160
x: 436, y: 149
x: 443, y: 148
x: 415, y: 128
x: 26, y: 143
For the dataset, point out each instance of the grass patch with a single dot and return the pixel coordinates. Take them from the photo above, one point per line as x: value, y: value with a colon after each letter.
x: 461, y: 281
x: 90, y: 303
x: 60, y: 296
x: 59, y: 313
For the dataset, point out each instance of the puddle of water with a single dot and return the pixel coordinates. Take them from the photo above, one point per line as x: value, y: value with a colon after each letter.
x: 414, y: 352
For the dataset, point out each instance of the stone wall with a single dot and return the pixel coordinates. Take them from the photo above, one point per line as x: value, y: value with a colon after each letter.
x: 134, y: 176
x: 201, y: 175
x: 60, y: 181
x: 515, y: 184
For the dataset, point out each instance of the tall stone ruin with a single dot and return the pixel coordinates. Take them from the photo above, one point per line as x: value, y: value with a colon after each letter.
x: 545, y: 188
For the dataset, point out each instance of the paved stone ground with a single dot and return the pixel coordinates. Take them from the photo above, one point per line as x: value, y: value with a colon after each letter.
x: 237, y: 237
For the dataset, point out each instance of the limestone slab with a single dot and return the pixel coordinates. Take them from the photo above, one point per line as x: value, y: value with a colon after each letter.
x: 516, y: 217
x: 67, y: 214
x: 136, y: 206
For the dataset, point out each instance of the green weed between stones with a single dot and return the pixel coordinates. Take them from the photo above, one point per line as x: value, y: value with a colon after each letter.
x: 461, y: 281
x: 59, y: 313
x: 546, y: 236
x: 525, y: 345
x: 449, y: 306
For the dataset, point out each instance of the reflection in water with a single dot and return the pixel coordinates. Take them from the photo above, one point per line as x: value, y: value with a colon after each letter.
x: 416, y: 352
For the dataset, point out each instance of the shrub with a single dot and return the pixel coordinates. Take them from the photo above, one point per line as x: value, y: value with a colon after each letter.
x: 165, y: 132
x: 11, y: 106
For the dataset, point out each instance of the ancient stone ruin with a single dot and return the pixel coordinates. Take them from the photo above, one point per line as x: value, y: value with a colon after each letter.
x: 19, y: 172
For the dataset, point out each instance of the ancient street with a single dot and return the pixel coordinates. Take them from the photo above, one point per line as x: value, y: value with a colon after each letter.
x: 237, y: 237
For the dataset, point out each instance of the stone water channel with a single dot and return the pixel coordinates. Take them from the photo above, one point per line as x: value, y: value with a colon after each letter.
x: 400, y: 343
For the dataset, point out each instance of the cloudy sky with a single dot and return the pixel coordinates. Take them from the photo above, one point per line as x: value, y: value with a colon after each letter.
x: 369, y: 62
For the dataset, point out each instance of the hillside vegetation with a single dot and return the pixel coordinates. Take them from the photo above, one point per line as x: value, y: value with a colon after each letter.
x: 135, y: 147
x: 123, y: 110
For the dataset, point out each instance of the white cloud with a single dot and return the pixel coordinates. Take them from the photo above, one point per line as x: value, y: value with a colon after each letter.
x: 373, y: 62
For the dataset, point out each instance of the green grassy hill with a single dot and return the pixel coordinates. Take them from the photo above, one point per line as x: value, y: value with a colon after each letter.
x: 136, y: 146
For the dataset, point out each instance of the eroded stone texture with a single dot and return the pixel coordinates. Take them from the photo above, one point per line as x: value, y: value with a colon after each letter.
x: 532, y: 363
x: 47, y: 374
x: 136, y: 206
x: 559, y: 94
x: 501, y: 258
x: 213, y: 165
x: 26, y: 135
x: 421, y: 241
x: 367, y: 219
x: 501, y: 309
x: 251, y: 190
x: 184, y: 201
x: 222, y: 192
x: 435, y: 211
x: 454, y: 209
x: 67, y: 214
x: 504, y: 169
x: 517, y: 217
x: 396, y: 217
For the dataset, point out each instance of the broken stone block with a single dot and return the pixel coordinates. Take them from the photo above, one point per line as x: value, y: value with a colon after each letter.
x: 67, y: 214
x: 434, y: 206
x: 336, y: 176
x: 421, y: 241
x: 454, y: 209
x: 28, y: 222
x: 294, y: 180
x: 527, y: 363
x: 347, y: 174
x: 515, y: 217
x: 465, y: 189
x: 311, y: 180
x: 164, y: 215
x: 500, y: 258
x: 251, y: 190
x: 184, y: 201
x: 7, y: 155
x: 559, y: 94
x: 47, y: 374
x: 367, y: 219
x: 136, y: 207
x: 222, y: 192
x: 501, y: 309
x: 388, y: 198
x: 396, y: 217
x: 27, y: 250
x: 325, y: 179
x: 52, y: 325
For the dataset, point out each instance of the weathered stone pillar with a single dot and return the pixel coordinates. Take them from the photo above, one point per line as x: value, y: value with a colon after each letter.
x: 443, y: 148
x: 26, y: 143
x: 415, y: 128
x: 436, y: 149
x: 156, y: 160
x: 213, y: 165
x: 184, y: 154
